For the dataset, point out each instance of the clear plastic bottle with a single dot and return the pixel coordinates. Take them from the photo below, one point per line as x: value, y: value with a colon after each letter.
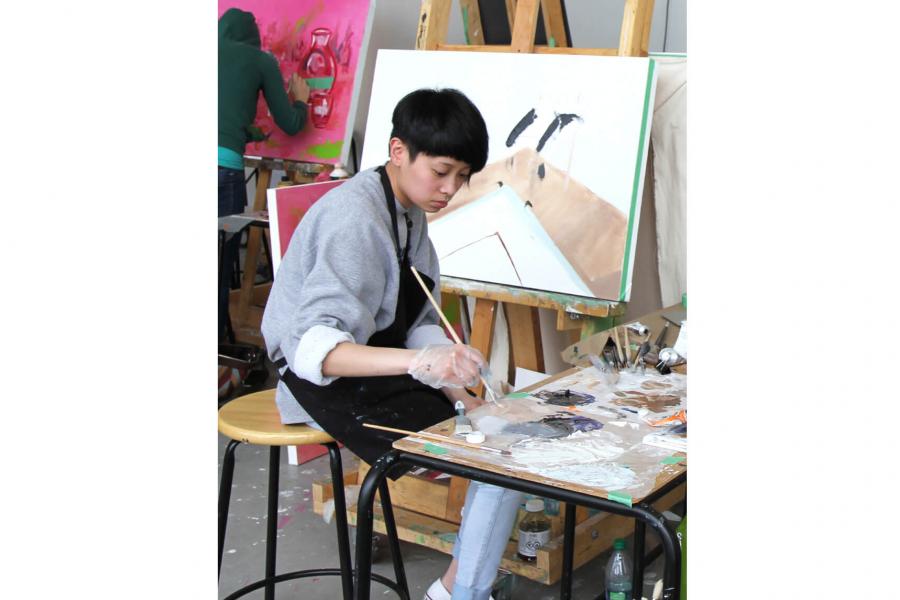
x: 534, y: 530
x: 618, y: 573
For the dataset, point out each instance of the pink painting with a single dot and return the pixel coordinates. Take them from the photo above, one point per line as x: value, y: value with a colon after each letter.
x: 287, y: 205
x: 324, y: 42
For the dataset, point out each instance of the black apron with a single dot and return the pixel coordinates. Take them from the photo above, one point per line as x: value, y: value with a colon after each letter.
x: 400, y: 401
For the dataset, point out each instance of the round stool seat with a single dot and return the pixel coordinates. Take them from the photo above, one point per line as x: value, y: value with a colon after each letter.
x: 254, y: 419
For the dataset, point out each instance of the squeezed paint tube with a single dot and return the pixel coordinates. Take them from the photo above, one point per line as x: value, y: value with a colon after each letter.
x: 638, y: 328
x: 463, y: 424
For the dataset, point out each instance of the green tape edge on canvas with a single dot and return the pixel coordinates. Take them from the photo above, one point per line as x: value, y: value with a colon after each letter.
x: 637, y: 179
x: 320, y: 83
x: 673, y: 460
x: 465, y: 12
x: 620, y: 498
x: 429, y: 447
x: 517, y: 395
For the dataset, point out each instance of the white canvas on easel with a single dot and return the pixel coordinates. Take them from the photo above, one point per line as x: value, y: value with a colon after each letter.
x: 581, y: 179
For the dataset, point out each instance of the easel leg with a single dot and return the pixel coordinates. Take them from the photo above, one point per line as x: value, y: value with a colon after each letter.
x: 635, y: 33
x: 525, y: 337
x: 483, y: 331
x: 259, y: 203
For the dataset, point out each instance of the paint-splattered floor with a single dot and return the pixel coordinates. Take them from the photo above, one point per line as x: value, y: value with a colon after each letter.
x: 306, y: 541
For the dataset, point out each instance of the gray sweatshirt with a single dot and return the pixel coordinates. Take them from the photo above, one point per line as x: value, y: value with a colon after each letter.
x: 338, y: 282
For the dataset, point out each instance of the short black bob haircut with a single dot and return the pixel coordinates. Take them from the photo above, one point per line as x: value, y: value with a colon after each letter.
x: 441, y: 122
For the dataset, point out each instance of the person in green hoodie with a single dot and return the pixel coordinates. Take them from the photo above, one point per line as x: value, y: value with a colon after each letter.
x: 245, y: 70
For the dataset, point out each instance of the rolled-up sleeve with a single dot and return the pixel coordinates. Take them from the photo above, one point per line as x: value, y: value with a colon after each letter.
x: 329, y: 290
x: 314, y: 346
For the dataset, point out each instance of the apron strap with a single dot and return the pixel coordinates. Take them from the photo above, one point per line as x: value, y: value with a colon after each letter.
x: 392, y: 210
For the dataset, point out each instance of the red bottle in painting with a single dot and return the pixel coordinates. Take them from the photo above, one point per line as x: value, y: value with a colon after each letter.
x: 319, y: 68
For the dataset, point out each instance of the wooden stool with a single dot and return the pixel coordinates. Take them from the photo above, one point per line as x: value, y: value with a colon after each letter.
x: 254, y: 419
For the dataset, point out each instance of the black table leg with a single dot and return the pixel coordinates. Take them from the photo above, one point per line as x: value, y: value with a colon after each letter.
x: 565, y: 592
x: 390, y: 526
x: 671, y: 550
x: 364, y: 516
x: 340, y: 517
x: 637, y: 582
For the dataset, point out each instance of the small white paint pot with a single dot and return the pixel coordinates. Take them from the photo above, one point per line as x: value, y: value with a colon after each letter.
x: 476, y: 437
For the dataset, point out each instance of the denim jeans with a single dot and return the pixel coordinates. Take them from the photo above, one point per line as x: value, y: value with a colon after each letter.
x: 488, y: 517
x: 232, y: 200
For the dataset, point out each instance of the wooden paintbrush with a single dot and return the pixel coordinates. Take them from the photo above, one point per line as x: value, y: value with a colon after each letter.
x: 627, y: 347
x: 619, y: 354
x: 439, y: 438
x: 489, y: 391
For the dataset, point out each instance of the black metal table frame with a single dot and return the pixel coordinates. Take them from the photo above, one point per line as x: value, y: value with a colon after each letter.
x: 644, y: 515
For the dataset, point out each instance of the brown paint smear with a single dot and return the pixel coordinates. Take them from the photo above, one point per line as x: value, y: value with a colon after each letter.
x: 655, y: 403
x: 654, y: 385
x: 589, y: 231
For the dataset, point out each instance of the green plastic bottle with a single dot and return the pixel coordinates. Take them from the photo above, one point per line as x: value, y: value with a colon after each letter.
x: 618, y: 573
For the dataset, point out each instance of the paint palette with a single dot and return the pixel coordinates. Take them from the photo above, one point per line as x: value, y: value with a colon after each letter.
x: 599, y: 440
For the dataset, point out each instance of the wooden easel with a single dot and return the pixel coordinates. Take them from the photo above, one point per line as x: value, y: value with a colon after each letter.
x: 588, y: 316
x: 251, y: 297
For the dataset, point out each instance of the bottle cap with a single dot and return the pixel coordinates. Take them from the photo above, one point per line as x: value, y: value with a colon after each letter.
x: 534, y: 505
x: 619, y: 544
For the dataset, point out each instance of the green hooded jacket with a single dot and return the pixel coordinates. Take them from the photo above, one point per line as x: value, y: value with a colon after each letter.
x: 244, y: 70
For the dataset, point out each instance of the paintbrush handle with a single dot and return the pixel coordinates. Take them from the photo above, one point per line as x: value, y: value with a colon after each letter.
x: 619, y: 356
x: 435, y: 305
x: 436, y: 438
x: 489, y: 390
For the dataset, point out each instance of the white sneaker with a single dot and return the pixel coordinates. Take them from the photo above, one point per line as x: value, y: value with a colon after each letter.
x: 437, y: 591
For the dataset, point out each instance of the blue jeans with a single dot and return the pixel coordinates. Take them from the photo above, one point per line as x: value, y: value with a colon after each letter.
x: 488, y: 517
x: 232, y: 200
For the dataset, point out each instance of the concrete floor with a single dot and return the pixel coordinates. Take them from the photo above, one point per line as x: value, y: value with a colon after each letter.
x: 306, y: 541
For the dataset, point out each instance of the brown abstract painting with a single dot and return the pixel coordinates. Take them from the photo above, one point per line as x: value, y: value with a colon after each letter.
x: 556, y: 207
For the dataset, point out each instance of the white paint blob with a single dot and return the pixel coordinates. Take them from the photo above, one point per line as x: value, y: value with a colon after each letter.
x: 490, y: 425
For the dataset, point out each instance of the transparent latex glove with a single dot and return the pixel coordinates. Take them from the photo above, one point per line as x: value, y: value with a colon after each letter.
x: 454, y: 366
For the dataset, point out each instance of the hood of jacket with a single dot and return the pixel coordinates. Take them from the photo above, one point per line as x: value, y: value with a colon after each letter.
x: 237, y: 25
